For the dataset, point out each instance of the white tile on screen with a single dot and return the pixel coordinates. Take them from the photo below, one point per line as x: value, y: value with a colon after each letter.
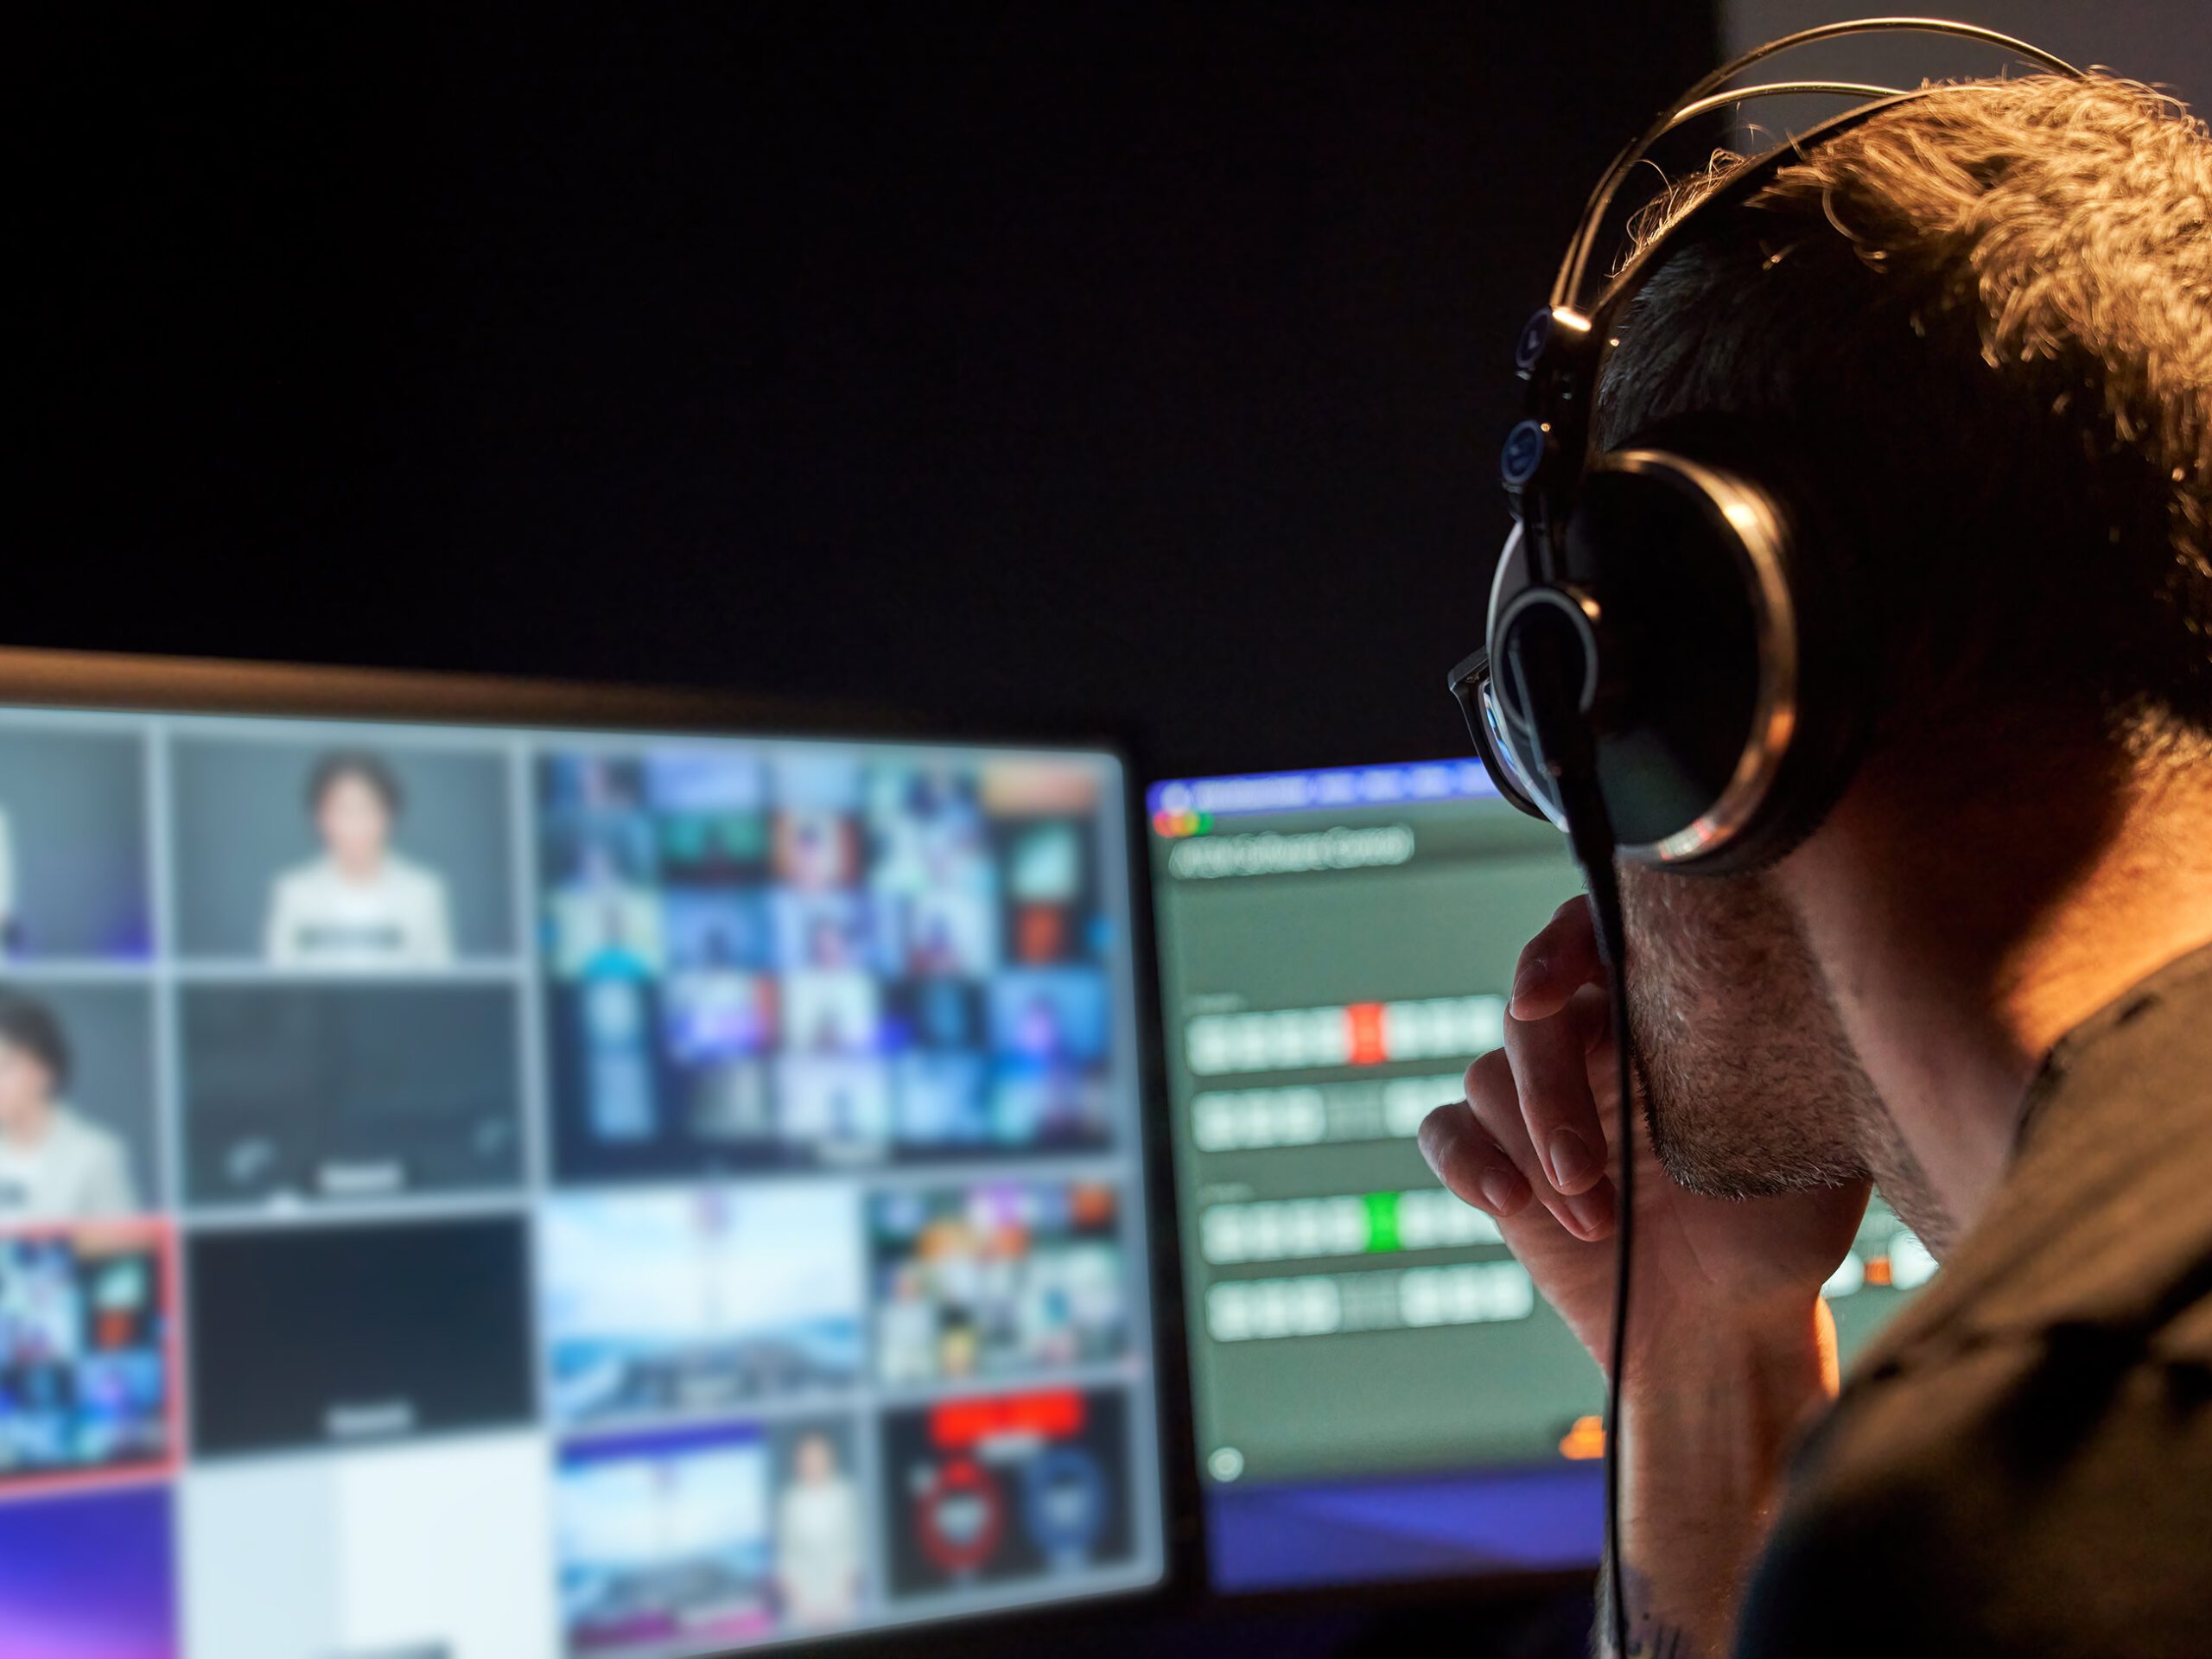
x: 443, y: 1546
x: 670, y: 1548
x: 670, y: 1302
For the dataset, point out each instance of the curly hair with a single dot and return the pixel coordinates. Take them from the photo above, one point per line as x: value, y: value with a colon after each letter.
x: 1982, y: 324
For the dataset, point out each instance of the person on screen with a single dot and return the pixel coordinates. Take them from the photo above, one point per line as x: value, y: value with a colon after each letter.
x: 605, y: 922
x: 54, y: 1164
x: 1039, y: 1034
x: 818, y: 1539
x: 360, y: 905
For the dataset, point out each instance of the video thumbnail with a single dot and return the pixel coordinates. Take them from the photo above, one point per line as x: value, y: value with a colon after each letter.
x: 830, y: 1011
x: 72, y: 845
x: 938, y: 935
x: 927, y: 834
x: 680, y: 1541
x: 432, y: 1549
x: 834, y: 1108
x: 309, y: 1336
x: 1050, y: 1028
x: 942, y: 1102
x: 720, y: 928
x: 992, y: 1488
x: 340, y: 858
x: 996, y: 1279
x: 331, y: 1092
x: 88, y: 1383
x: 77, y: 1133
x: 713, y: 1015
x: 1051, y: 900
x: 709, y: 808
x: 684, y: 1303
x: 1049, y: 1016
x: 89, y: 1576
x: 604, y: 916
x: 666, y: 1543
x: 750, y: 947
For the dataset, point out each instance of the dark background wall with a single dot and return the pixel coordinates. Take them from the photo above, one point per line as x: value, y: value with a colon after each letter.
x: 1102, y: 362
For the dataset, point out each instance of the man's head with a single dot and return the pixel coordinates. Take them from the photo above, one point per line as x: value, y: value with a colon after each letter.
x: 33, y: 1062
x: 1979, y: 326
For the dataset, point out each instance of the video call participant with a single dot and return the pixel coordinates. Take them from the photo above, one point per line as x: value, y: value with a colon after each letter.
x: 54, y: 1164
x: 361, y: 905
x: 605, y: 923
x: 1983, y: 981
x: 818, y: 1539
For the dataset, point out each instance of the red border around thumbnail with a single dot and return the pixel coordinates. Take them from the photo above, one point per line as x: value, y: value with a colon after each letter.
x: 129, y: 1230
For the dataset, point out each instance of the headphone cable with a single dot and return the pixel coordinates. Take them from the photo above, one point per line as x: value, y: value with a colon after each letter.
x: 1565, y: 745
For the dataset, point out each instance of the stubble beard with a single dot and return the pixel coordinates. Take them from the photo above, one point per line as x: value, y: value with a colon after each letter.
x: 1752, y: 1088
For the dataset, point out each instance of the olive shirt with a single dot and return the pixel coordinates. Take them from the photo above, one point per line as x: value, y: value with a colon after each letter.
x: 2022, y: 1464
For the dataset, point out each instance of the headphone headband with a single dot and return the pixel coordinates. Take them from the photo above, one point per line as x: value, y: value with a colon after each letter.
x: 1740, y: 184
x: 1706, y: 95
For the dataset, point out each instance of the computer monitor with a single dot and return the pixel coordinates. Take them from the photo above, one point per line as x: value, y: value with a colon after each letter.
x: 1378, y: 1393
x: 476, y: 1183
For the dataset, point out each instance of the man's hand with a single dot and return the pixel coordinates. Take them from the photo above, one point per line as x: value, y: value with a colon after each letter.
x: 1729, y: 1348
x: 1535, y: 1144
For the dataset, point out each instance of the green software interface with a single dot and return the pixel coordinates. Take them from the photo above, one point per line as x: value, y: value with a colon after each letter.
x: 1378, y: 1390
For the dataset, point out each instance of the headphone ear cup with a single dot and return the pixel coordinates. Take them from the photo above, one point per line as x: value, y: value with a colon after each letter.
x: 1728, y: 724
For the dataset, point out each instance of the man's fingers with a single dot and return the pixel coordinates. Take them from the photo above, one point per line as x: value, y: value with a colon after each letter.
x: 1561, y: 957
x: 1494, y: 1098
x: 1472, y: 1165
x: 1551, y: 1074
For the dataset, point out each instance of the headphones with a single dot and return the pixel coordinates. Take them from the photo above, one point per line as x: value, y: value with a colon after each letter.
x: 1681, y: 592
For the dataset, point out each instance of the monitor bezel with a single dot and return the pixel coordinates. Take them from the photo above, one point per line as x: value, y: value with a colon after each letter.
x: 132, y: 683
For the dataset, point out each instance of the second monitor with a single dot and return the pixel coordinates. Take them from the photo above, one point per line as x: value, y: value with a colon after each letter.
x: 1379, y: 1393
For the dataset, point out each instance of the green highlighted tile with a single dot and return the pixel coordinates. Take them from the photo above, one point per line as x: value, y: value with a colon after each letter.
x: 1381, y: 1221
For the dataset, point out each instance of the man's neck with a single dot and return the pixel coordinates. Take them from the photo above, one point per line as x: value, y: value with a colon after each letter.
x: 1961, y: 946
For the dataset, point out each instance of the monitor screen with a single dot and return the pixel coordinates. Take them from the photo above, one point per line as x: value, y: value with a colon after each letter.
x: 1379, y: 1391
x: 472, y: 1192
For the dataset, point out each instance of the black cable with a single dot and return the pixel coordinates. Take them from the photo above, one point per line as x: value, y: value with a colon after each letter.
x: 1612, y: 943
x: 1547, y: 674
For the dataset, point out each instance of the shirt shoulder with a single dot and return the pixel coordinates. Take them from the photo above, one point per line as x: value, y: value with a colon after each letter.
x: 406, y: 882
x: 80, y: 1139
x: 88, y: 1167
x: 2048, y: 1496
x: 2023, y: 1462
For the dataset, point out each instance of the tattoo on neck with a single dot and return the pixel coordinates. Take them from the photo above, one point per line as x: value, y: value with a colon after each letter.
x: 1649, y: 1636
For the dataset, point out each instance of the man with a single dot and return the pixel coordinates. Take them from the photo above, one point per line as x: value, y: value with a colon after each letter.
x: 1982, y: 324
x: 54, y: 1164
